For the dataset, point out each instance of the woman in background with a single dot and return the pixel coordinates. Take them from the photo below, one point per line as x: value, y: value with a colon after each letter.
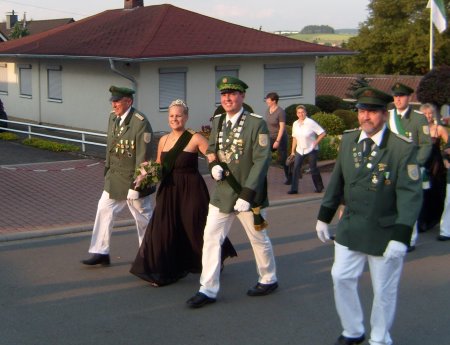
x: 306, y: 136
x: 276, y: 122
x: 434, y: 196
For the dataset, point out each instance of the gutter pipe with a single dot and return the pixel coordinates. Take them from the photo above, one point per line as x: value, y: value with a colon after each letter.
x: 129, y: 77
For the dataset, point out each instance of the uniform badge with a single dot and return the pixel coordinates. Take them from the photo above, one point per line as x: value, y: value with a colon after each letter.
x: 147, y: 137
x: 413, y: 171
x: 263, y: 140
x: 426, y: 130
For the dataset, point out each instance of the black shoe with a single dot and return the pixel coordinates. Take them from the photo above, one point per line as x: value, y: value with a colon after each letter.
x: 422, y: 227
x: 292, y: 192
x: 349, y: 341
x: 262, y: 289
x: 97, y: 259
x: 411, y: 249
x: 443, y: 238
x: 199, y: 300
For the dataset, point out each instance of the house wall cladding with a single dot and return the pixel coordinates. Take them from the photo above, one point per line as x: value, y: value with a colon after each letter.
x: 85, y: 97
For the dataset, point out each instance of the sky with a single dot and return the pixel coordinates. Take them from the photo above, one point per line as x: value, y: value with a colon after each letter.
x: 270, y: 15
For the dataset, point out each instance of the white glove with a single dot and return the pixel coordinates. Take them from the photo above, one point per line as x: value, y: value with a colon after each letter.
x: 395, y: 249
x: 217, y: 172
x: 132, y: 194
x: 241, y: 205
x: 322, y: 231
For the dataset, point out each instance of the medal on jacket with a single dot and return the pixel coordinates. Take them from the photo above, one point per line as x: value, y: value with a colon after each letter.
x: 374, y: 178
x: 231, y: 147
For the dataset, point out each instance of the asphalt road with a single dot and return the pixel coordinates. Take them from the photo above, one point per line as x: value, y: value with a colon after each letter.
x: 48, y: 297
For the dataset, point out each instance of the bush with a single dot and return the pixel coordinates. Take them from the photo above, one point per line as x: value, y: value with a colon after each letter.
x: 329, y: 147
x: 433, y: 87
x: 291, y: 114
x: 330, y: 103
x: 50, y: 145
x: 8, y: 136
x: 349, y: 117
x: 331, y: 123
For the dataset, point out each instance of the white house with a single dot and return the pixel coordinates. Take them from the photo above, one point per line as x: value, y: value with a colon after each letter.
x: 61, y: 76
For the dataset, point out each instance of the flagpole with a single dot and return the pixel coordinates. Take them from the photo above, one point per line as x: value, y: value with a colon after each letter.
x: 431, y: 37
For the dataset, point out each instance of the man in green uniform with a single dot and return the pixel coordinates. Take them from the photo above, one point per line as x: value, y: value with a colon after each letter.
x: 377, y: 177
x: 405, y: 121
x: 129, y: 139
x: 241, y: 143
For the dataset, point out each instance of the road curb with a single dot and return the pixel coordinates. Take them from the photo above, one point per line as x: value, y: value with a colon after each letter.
x: 122, y: 225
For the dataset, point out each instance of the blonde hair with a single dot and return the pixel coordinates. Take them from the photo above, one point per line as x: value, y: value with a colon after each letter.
x: 429, y: 106
x: 180, y: 103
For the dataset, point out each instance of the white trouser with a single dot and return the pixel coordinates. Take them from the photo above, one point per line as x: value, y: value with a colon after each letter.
x: 217, y: 227
x: 445, y: 220
x: 414, y: 235
x: 107, y: 209
x: 385, y: 274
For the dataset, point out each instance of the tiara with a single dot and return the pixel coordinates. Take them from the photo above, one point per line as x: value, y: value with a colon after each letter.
x: 180, y: 103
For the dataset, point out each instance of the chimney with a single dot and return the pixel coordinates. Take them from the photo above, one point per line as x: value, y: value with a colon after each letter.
x: 129, y: 4
x: 11, y: 20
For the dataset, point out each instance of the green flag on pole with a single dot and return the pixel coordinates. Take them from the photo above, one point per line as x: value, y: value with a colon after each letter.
x: 438, y: 14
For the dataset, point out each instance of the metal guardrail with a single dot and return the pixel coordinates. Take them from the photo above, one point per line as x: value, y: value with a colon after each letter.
x: 30, y: 132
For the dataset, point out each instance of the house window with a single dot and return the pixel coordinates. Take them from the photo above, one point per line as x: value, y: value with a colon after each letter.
x: 25, y: 80
x: 232, y: 71
x: 54, y: 79
x: 3, y: 78
x: 284, y: 79
x: 172, y: 86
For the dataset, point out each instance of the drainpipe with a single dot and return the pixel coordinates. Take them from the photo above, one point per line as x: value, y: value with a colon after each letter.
x: 39, y: 93
x: 129, y: 77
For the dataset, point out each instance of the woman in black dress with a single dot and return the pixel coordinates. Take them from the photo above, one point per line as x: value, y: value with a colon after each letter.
x: 172, y: 246
x: 434, y: 195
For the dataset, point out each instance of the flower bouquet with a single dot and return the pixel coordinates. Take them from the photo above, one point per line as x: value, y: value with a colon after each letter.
x: 147, y: 174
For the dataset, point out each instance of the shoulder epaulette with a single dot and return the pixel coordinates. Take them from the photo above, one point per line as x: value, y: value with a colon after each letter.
x: 139, y: 116
x: 350, y: 130
x: 191, y: 131
x: 408, y: 140
x: 112, y: 112
x: 218, y: 115
x: 256, y: 115
x: 418, y: 112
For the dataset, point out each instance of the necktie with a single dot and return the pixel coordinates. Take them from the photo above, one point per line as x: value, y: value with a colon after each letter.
x: 228, y: 128
x: 117, y: 125
x: 367, y: 147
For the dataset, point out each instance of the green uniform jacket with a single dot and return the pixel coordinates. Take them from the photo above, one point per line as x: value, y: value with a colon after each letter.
x: 127, y: 147
x: 382, y: 200
x: 250, y: 168
x: 417, y: 129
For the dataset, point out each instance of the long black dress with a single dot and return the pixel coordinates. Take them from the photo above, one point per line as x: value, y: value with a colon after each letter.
x: 433, y: 198
x: 172, y: 245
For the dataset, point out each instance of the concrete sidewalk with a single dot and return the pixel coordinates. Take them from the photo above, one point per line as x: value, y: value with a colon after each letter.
x: 52, y: 198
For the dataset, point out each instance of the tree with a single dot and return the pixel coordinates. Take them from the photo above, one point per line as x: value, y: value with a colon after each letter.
x: 395, y: 40
x: 355, y: 85
x: 18, y: 31
x: 332, y: 65
x: 317, y: 29
x: 434, y: 87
